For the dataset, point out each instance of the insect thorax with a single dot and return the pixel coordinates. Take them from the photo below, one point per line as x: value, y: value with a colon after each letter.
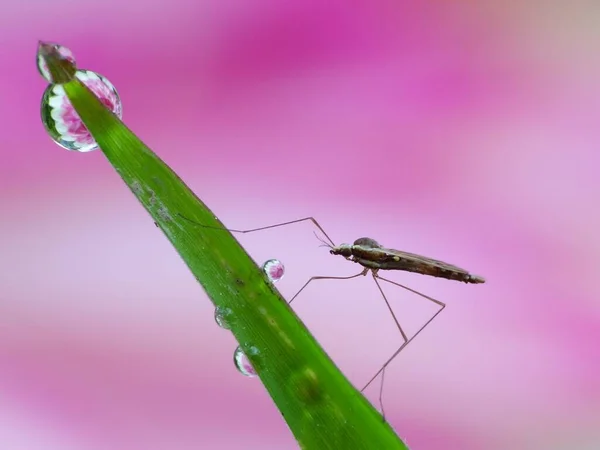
x: 342, y: 249
x: 367, y: 242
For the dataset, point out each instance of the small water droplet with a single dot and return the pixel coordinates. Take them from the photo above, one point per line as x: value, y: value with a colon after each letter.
x: 242, y: 363
x: 62, y: 121
x: 64, y: 54
x: 222, y: 316
x: 274, y: 270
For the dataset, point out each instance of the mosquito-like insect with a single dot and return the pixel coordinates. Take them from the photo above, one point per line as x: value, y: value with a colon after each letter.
x: 373, y: 257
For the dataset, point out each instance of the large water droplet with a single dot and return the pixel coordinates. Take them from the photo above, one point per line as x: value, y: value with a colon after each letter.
x: 62, y: 121
x: 222, y: 317
x: 64, y: 55
x: 242, y: 363
x: 274, y: 270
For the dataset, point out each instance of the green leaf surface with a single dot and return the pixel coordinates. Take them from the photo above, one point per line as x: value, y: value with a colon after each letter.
x: 321, y: 407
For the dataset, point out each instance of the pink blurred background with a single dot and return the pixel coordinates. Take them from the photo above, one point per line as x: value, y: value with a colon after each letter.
x: 465, y: 131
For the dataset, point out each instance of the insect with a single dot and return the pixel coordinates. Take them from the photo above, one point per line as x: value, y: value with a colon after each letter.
x: 373, y: 257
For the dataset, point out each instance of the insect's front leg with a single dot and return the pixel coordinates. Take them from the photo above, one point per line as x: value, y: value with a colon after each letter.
x: 252, y: 230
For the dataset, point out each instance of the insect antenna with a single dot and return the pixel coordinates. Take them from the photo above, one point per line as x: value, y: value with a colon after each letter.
x: 324, y: 243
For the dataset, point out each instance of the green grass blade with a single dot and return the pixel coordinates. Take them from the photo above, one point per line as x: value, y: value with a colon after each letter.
x: 321, y: 407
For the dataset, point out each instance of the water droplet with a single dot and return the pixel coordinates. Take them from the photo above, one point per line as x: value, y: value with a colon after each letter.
x: 274, y: 269
x: 63, y: 54
x: 222, y: 316
x: 62, y: 121
x: 242, y: 363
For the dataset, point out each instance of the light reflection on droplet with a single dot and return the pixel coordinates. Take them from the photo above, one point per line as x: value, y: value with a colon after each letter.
x: 65, y: 53
x: 222, y: 316
x: 274, y: 270
x: 62, y: 122
x: 242, y: 363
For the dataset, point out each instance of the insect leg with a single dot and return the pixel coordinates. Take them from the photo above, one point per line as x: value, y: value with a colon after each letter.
x: 312, y: 219
x: 406, y: 341
x: 404, y: 337
x: 375, y: 276
x: 364, y: 272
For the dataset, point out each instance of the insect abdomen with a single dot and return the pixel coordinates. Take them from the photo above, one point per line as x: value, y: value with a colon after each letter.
x: 426, y: 267
x: 456, y: 275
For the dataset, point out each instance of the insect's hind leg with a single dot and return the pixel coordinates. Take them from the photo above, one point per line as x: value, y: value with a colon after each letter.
x: 406, y: 340
x: 312, y: 219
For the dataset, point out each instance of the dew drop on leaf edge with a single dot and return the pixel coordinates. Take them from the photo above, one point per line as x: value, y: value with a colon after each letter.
x: 63, y: 52
x: 242, y: 363
x: 274, y: 269
x: 62, y: 122
x: 222, y: 315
